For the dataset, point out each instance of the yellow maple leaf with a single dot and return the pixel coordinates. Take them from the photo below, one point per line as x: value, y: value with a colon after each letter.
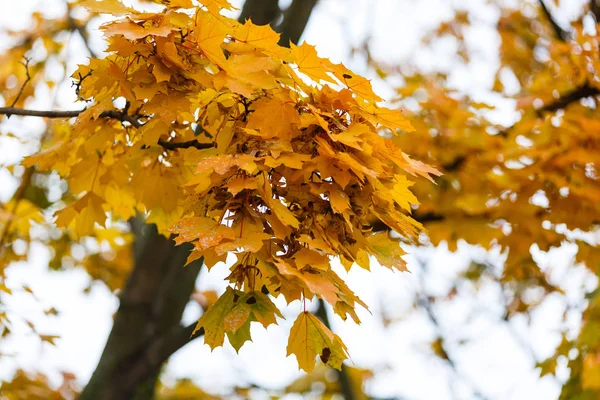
x: 310, y: 64
x: 210, y: 33
x: 262, y: 37
x: 213, y: 319
x: 254, y: 304
x: 133, y: 31
x: 387, y: 251
x: 82, y: 215
x: 204, y: 232
x: 273, y: 118
x: 310, y: 338
x: 114, y: 7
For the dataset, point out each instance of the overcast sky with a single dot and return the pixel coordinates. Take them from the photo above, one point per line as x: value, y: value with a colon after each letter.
x: 495, y: 363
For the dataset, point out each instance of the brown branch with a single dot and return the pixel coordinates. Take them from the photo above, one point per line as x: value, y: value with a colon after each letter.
x: 112, y: 114
x: 39, y: 113
x: 379, y: 226
x: 570, y: 97
x: 81, y: 30
x: 184, y: 145
x: 123, y: 117
x: 295, y: 19
x: 83, y: 34
x: 152, y: 356
x: 262, y: 12
x: 595, y: 9
x: 456, y: 164
x: 559, y: 32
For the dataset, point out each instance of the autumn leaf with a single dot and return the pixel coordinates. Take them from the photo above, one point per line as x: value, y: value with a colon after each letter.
x: 273, y: 118
x: 113, y: 7
x: 209, y: 34
x: 204, y: 232
x: 213, y: 319
x: 82, y: 215
x: 133, y: 31
x: 240, y: 336
x: 253, y: 304
x: 310, y: 64
x: 387, y: 251
x: 310, y: 338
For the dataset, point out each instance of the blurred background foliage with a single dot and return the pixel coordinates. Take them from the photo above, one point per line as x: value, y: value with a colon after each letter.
x: 504, y: 97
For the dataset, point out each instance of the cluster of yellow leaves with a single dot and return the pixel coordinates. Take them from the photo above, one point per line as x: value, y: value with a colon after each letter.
x: 319, y: 383
x: 533, y: 184
x: 514, y: 186
x: 38, y: 387
x: 238, y: 145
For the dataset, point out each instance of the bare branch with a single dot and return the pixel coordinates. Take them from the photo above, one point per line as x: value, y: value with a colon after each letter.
x: 571, y: 97
x: 261, y: 12
x: 154, y: 354
x: 39, y: 113
x: 113, y: 114
x: 26, y: 64
x: 184, y: 145
x: 122, y: 116
x: 560, y: 33
x: 295, y: 19
x: 595, y: 9
x: 81, y: 30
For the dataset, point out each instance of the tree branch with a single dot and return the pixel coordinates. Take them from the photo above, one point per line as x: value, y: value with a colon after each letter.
x: 39, y: 113
x: 560, y: 33
x: 184, y: 145
x: 82, y: 33
x: 295, y: 18
x: 262, y: 12
x: 570, y: 97
x: 595, y: 9
x: 113, y: 114
x: 27, y: 79
x: 152, y: 357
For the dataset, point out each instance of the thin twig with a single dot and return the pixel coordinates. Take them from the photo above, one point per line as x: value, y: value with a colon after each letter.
x: 81, y: 30
x: 26, y: 64
x: 560, y: 33
x: 425, y: 302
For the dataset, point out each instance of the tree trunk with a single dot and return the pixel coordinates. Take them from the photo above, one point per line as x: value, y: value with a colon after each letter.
x: 151, y: 306
x: 147, y: 329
